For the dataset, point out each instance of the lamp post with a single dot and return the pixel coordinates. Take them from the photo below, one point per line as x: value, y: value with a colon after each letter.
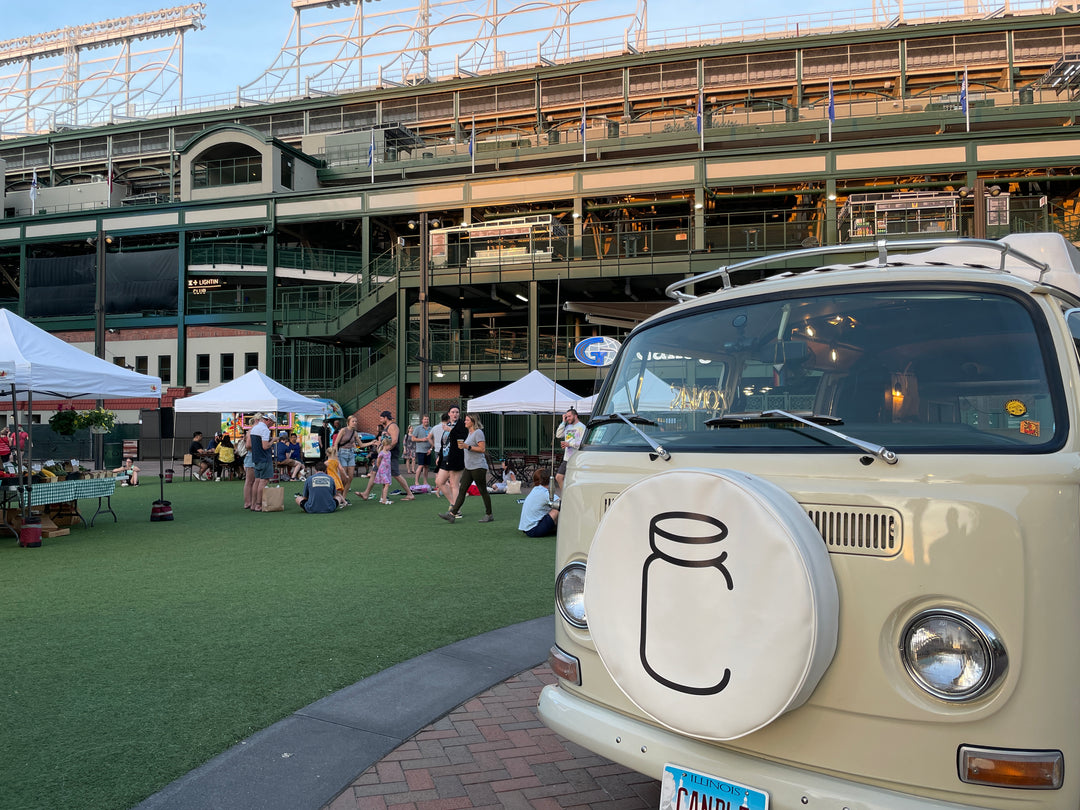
x: 101, y: 241
x: 425, y: 269
x: 425, y: 299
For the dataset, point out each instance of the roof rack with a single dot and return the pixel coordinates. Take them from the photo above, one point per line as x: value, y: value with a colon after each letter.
x: 881, y: 247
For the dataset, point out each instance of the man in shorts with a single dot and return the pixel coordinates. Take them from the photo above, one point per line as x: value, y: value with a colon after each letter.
x: 388, y: 427
x: 571, y: 432
x: 262, y: 457
x: 421, y: 441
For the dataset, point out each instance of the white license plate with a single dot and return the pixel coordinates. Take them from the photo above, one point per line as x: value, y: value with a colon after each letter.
x: 684, y: 789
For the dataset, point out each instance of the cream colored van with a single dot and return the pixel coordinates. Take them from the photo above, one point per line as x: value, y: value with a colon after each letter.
x: 820, y: 547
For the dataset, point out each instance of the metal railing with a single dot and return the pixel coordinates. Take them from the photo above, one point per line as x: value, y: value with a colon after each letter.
x: 880, y: 15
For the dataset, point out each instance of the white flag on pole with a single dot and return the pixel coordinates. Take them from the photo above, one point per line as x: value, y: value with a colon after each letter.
x: 832, y: 109
x: 964, y: 102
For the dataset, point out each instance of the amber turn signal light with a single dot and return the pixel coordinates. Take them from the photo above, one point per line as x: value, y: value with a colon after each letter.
x: 1000, y: 767
x: 564, y: 665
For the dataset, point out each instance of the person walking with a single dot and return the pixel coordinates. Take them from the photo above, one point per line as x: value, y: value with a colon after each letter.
x: 420, y: 437
x: 382, y: 469
x: 436, y: 437
x: 474, y: 452
x: 388, y: 427
x: 452, y: 457
x: 344, y: 442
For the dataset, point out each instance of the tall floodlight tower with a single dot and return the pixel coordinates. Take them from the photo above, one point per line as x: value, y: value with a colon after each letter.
x: 87, y: 75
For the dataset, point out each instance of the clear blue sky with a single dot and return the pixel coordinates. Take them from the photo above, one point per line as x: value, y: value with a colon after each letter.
x: 242, y: 38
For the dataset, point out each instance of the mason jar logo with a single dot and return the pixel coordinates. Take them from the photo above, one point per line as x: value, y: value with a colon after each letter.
x: 683, y: 583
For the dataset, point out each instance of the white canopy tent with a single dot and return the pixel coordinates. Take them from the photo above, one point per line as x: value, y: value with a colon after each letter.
x: 34, y: 362
x: 533, y: 393
x: 252, y: 392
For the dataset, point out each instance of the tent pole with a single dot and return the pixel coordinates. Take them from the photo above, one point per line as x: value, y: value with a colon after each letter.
x: 29, y: 452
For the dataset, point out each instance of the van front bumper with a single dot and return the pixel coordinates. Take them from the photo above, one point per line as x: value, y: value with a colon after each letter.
x: 647, y: 749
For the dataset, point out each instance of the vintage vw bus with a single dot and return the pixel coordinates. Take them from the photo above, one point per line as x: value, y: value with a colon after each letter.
x: 820, y: 546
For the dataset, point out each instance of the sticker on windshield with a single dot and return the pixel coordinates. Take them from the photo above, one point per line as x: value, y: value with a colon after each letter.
x: 1029, y: 427
x: 1015, y: 407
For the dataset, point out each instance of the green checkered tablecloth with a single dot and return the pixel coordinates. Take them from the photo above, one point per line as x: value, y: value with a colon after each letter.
x: 65, y: 491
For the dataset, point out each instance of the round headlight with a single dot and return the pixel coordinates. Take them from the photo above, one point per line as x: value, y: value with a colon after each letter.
x: 570, y: 594
x: 951, y: 655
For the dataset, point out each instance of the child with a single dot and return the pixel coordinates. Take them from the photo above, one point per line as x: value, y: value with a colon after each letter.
x: 333, y: 469
x: 382, y: 471
x: 507, y: 477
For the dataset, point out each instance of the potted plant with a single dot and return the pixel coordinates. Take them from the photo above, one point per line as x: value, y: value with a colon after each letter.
x: 98, y: 420
x: 65, y: 422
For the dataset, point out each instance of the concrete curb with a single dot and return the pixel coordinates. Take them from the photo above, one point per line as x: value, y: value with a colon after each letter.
x: 305, y: 760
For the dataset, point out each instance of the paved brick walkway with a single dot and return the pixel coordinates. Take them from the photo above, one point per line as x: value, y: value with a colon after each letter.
x: 493, y: 752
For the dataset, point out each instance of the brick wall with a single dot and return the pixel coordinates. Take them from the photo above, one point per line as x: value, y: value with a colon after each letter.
x: 388, y: 401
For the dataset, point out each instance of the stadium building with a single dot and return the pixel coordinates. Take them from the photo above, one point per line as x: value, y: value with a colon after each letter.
x: 426, y: 233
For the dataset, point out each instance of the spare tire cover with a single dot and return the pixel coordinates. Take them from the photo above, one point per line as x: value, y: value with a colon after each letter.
x: 711, y: 600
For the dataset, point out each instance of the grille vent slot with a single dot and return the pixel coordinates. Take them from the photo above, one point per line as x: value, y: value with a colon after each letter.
x: 858, y: 530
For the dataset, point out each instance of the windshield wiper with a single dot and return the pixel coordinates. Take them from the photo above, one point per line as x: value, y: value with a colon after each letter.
x: 734, y: 420
x: 633, y: 420
x: 810, y: 420
x: 618, y: 417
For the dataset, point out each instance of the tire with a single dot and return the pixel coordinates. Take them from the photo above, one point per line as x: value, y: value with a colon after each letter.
x: 711, y: 600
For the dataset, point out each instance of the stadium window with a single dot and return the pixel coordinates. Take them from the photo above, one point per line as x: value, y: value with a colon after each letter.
x: 119, y: 360
x: 226, y: 367
x: 251, y: 361
x: 142, y: 363
x: 226, y: 164
x: 164, y: 368
x: 202, y: 368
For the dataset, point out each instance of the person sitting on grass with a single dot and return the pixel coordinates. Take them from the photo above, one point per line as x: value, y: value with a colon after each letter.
x: 539, y: 514
x: 507, y: 476
x: 333, y: 469
x: 129, y: 469
x: 319, y: 496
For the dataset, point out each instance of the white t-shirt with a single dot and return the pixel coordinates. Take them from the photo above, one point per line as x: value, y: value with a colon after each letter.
x: 260, y: 431
x: 572, y: 435
x: 436, y: 438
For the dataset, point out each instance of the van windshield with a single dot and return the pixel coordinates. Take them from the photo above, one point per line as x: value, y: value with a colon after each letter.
x: 952, y: 369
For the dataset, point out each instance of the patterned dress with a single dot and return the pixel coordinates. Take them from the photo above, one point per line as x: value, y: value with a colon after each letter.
x: 382, y: 473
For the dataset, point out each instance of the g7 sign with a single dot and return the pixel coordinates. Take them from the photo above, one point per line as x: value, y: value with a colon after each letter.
x: 597, y: 351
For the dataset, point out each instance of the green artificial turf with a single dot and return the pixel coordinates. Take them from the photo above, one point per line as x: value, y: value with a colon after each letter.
x: 131, y: 652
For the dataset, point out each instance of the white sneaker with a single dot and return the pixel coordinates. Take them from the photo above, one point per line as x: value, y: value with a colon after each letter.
x: 218, y: 478
x: 196, y: 476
